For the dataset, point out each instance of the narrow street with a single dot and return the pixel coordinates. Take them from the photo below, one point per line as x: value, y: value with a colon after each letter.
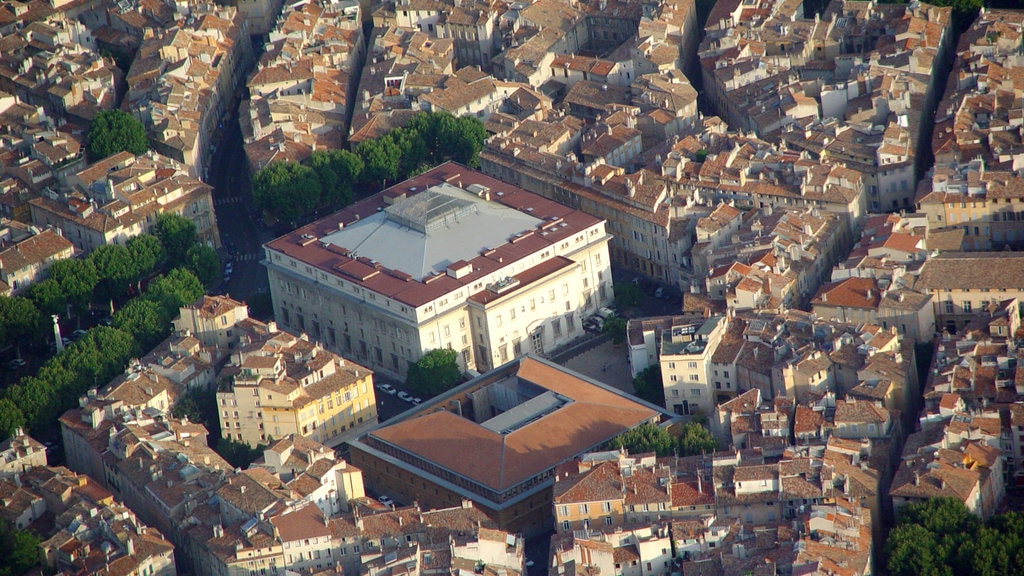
x: 241, y: 234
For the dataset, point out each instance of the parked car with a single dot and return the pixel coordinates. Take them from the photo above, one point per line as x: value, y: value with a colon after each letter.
x: 78, y: 334
x: 605, y: 313
x: 228, y: 269
x: 386, y: 501
x: 388, y: 389
x: 659, y: 292
x: 405, y: 396
x: 591, y: 325
x: 16, y: 363
x: 417, y: 401
x: 106, y: 321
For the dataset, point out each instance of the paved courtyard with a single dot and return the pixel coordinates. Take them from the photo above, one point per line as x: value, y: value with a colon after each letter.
x: 604, y: 363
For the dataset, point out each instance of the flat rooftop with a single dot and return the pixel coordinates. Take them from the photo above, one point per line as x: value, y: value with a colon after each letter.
x: 422, y: 234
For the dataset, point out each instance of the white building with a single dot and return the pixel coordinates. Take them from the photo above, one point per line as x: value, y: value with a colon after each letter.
x: 449, y: 259
x: 686, y: 351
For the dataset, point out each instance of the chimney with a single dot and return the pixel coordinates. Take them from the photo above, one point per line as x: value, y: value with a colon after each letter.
x: 917, y: 478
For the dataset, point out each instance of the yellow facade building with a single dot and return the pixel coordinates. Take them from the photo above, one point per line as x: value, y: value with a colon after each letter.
x: 284, y: 384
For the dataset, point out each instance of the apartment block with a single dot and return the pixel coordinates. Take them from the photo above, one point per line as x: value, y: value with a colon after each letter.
x: 183, y: 79
x: 964, y: 285
x: 871, y: 66
x: 985, y: 203
x: 685, y: 360
x: 631, y: 551
x: 497, y: 273
x: 87, y: 82
x: 301, y: 92
x: 19, y: 453
x: 85, y: 530
x: 281, y: 384
x: 603, y: 492
x: 401, y: 65
x: 26, y: 255
x: 121, y: 197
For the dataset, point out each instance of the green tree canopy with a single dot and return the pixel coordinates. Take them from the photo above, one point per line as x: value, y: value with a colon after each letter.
x: 113, y: 131
x: 238, y: 454
x: 203, y: 261
x: 145, y: 320
x: 381, y: 158
x: 19, y: 320
x: 11, y: 418
x: 48, y: 297
x: 615, y: 328
x: 941, y: 537
x: 77, y: 280
x: 450, y: 138
x: 646, y: 438
x: 647, y: 385
x: 627, y: 295
x: 175, y: 289
x: 115, y: 269
x: 19, y: 549
x: 288, y: 190
x: 177, y: 234
x: 147, y: 251
x: 338, y: 171
x: 694, y: 439
x: 437, y: 371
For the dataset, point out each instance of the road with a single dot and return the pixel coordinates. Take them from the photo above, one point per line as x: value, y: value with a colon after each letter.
x: 240, y: 232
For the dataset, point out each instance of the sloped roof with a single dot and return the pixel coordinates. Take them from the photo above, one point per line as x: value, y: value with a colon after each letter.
x: 593, y: 415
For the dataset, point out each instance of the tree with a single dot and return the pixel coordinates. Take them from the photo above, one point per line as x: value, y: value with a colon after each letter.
x: 381, y: 158
x: 199, y: 406
x: 286, y: 190
x: 238, y: 454
x: 645, y: 438
x: 450, y: 138
x: 627, y: 295
x: 113, y: 131
x: 437, y: 371
x: 175, y: 289
x: 203, y: 261
x: 19, y: 321
x: 115, y: 269
x: 48, y: 297
x: 413, y: 153
x: 466, y: 140
x: 177, y: 234
x: 648, y: 386
x: 11, y: 418
x: 696, y: 439
x: 339, y: 171
x: 19, y: 549
x: 146, y: 251
x: 261, y: 306
x: 77, y: 280
x: 615, y: 328
x: 145, y: 320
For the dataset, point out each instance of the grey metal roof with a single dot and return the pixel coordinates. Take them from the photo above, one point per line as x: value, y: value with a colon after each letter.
x: 425, y: 232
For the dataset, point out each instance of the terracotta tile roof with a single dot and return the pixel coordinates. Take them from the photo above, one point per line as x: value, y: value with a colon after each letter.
x: 304, y: 523
x: 601, y: 483
x: 860, y: 411
x: 594, y: 416
x: 973, y: 271
x: 849, y: 293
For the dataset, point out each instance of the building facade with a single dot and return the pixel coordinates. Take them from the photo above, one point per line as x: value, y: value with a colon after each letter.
x: 448, y: 259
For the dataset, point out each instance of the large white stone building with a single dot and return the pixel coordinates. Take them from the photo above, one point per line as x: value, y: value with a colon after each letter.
x: 449, y: 259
